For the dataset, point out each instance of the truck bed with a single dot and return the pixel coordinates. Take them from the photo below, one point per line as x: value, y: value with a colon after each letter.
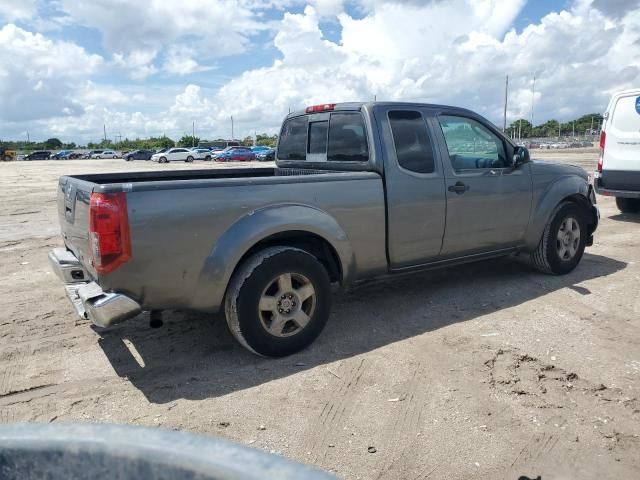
x: 181, y: 221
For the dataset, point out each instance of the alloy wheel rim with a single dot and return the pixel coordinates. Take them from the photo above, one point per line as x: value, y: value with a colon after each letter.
x: 287, y: 304
x: 568, y: 239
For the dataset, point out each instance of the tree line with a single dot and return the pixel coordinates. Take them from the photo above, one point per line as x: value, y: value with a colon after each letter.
x: 151, y: 143
x: 588, y: 124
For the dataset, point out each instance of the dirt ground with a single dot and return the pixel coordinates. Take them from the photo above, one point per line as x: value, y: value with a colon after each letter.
x: 490, y: 370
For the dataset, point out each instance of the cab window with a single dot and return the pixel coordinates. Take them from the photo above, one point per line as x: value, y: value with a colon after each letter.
x: 471, y: 145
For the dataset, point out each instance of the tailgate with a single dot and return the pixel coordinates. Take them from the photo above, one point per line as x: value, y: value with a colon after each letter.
x: 73, y: 215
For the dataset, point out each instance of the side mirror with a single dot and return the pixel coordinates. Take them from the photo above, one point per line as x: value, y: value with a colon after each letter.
x: 520, y: 156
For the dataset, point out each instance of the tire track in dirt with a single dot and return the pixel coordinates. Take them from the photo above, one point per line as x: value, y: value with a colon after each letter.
x: 399, y: 464
x: 334, y: 411
x: 15, y: 361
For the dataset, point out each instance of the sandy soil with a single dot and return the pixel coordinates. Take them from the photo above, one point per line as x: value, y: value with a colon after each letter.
x: 485, y: 371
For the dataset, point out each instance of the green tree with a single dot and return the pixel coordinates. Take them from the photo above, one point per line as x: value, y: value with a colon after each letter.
x: 188, y: 141
x: 53, y: 143
x: 520, y: 128
x: 268, y: 140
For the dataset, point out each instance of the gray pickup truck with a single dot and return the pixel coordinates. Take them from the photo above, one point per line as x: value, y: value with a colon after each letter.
x: 360, y: 190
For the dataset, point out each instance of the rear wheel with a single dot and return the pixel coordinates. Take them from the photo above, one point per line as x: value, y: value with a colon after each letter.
x: 278, y: 301
x: 208, y: 158
x: 189, y: 159
x: 563, y: 241
x: 628, y: 205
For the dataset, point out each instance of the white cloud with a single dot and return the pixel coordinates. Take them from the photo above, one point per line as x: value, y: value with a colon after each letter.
x: 39, y: 76
x: 138, y: 64
x: 456, y: 52
x: 180, y: 61
x: 13, y: 10
x: 143, y: 28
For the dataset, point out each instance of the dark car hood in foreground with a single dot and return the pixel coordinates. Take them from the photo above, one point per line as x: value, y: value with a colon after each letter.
x: 543, y: 167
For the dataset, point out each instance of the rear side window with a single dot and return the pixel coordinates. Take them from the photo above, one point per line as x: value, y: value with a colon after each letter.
x: 293, y: 139
x: 347, y: 138
x: 625, y: 117
x: 412, y: 142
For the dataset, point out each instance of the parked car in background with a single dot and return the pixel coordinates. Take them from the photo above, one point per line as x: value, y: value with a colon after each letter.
x: 105, y: 154
x: 259, y: 148
x: 138, y: 155
x: 618, y: 172
x: 38, y: 155
x: 61, y: 155
x: 360, y: 190
x: 202, y: 153
x: 173, y: 155
x: 236, y: 154
x: 268, y: 155
x: 91, y: 153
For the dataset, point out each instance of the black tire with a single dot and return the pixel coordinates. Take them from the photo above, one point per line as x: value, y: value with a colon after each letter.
x: 163, y: 160
x: 250, y: 283
x: 628, y: 205
x: 208, y: 158
x: 546, y: 257
x: 189, y: 159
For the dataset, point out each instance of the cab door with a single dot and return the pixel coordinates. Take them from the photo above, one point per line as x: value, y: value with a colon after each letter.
x: 414, y: 183
x: 488, y: 201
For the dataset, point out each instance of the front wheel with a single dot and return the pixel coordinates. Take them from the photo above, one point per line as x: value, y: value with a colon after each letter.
x: 163, y: 160
x: 208, y: 158
x: 278, y: 301
x: 563, y: 241
x: 628, y: 205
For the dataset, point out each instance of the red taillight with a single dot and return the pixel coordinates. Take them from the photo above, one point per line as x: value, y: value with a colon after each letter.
x: 109, y: 231
x: 320, y: 108
x: 603, y: 140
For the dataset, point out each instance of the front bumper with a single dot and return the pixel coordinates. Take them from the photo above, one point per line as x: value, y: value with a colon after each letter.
x: 89, y: 300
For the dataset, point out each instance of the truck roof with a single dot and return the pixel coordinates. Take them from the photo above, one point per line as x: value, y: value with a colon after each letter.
x: 359, y: 105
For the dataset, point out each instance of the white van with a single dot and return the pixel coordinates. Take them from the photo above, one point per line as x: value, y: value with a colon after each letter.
x: 618, y: 172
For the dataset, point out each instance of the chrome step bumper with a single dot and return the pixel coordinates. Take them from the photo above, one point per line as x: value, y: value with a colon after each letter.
x: 89, y: 300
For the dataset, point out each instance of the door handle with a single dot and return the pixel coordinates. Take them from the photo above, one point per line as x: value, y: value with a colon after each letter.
x: 459, y: 188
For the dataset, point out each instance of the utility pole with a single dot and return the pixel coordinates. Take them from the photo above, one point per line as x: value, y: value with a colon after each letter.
x: 591, y: 131
x: 232, y: 135
x: 28, y: 139
x: 559, y: 129
x: 104, y: 128
x: 574, y: 129
x: 520, y: 130
x: 193, y: 134
x: 533, y: 97
x: 506, y: 93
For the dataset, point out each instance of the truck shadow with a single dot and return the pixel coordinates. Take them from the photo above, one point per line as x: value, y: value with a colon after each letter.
x: 193, y: 357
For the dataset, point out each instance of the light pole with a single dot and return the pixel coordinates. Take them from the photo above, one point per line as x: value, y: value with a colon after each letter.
x: 506, y: 92
x: 232, y: 135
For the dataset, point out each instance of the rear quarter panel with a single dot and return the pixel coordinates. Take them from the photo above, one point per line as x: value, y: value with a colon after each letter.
x: 186, y: 241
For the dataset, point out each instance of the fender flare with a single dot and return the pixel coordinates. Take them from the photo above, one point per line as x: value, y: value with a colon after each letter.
x: 256, y: 226
x: 562, y: 189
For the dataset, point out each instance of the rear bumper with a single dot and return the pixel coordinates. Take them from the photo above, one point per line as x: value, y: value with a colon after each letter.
x: 630, y: 189
x: 89, y: 300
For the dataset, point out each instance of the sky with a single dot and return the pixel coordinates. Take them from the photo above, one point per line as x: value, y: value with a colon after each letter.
x: 152, y: 67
